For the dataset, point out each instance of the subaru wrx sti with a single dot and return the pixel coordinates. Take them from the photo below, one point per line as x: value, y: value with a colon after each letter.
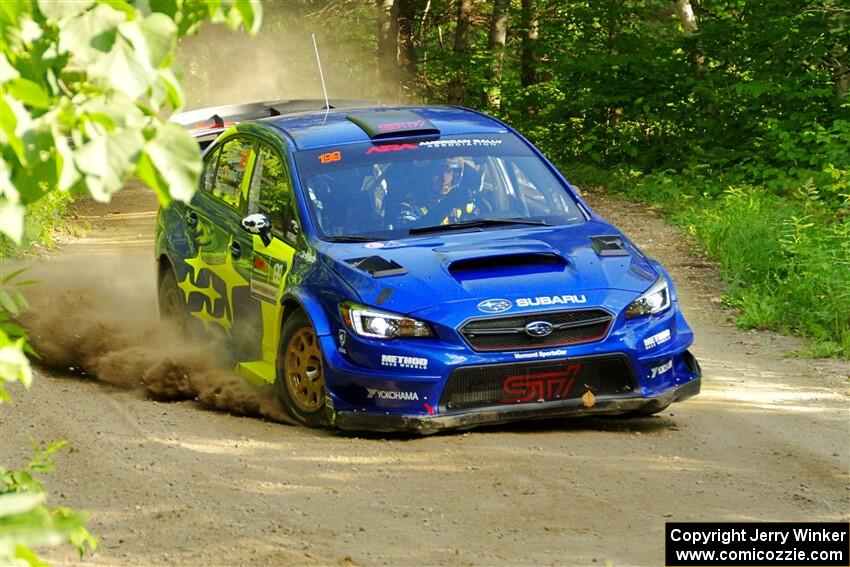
x: 414, y: 268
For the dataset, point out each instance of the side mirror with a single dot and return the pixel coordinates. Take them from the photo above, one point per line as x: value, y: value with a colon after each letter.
x: 258, y: 224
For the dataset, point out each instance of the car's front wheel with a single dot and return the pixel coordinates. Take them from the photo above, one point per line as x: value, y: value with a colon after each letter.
x: 300, y: 372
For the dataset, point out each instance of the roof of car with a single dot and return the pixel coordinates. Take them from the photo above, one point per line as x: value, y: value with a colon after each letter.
x: 318, y: 129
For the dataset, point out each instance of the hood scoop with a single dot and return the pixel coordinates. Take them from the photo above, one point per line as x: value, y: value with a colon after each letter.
x: 376, y: 266
x: 609, y: 246
x: 507, y: 265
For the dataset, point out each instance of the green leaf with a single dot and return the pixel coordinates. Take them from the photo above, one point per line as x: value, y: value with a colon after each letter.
x: 107, y: 160
x: 83, y: 36
x: 7, y: 72
x: 14, y: 503
x: 8, y: 125
x: 10, y: 13
x: 25, y: 554
x: 55, y: 11
x: 121, y: 6
x: 251, y: 12
x: 8, y: 303
x: 11, y: 217
x: 123, y: 69
x: 8, y: 278
x: 28, y: 92
x: 175, y: 157
x: 167, y: 90
x: 160, y: 34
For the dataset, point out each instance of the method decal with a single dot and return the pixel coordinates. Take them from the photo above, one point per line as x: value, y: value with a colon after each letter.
x: 656, y: 340
x: 395, y: 361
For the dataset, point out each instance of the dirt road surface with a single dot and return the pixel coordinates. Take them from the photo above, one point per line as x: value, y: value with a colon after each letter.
x: 173, y: 484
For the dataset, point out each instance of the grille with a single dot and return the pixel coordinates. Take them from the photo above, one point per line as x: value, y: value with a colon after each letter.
x: 508, y: 333
x: 509, y: 384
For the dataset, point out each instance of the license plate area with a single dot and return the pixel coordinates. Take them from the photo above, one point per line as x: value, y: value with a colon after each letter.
x: 536, y: 383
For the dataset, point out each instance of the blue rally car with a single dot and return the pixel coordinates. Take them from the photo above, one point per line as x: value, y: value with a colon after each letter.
x: 414, y: 268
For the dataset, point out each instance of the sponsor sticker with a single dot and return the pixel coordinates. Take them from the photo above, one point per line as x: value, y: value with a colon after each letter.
x: 372, y: 393
x: 544, y: 386
x: 263, y: 290
x: 659, y: 370
x: 408, y: 125
x: 396, y: 361
x: 540, y: 354
x: 330, y: 157
x: 656, y: 340
x: 391, y: 148
x: 465, y: 143
x: 551, y: 300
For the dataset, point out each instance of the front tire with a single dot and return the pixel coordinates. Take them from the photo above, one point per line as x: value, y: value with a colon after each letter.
x: 300, y: 372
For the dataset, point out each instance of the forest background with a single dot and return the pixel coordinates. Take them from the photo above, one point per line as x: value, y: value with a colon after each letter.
x: 731, y: 116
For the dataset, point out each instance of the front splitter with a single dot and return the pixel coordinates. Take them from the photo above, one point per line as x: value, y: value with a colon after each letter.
x: 427, y: 425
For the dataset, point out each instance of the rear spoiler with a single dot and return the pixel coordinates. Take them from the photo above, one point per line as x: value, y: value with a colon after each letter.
x: 205, y: 124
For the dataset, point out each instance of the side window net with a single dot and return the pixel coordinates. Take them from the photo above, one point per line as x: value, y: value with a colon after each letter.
x: 237, y: 157
x: 273, y: 186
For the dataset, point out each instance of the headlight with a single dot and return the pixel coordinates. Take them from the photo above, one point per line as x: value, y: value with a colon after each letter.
x: 369, y: 322
x: 655, y: 300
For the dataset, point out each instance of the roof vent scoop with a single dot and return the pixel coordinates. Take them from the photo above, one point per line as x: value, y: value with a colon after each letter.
x: 380, y: 124
x: 609, y: 246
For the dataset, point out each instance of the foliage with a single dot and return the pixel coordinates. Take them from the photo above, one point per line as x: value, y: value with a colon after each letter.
x: 738, y: 122
x: 14, y: 365
x: 786, y: 258
x: 26, y: 522
x: 83, y: 86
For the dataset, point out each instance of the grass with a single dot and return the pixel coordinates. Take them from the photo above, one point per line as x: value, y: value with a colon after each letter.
x: 785, y: 255
x: 44, y: 219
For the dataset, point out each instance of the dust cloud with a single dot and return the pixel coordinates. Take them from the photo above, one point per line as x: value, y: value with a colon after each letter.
x: 223, y: 66
x: 98, y: 318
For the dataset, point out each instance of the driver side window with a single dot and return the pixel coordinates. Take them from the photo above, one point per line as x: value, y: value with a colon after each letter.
x: 273, y: 189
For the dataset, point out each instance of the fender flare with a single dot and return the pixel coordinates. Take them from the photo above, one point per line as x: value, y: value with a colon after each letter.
x: 309, y: 304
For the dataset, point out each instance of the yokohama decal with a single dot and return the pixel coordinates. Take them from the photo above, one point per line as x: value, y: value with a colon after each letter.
x: 545, y: 386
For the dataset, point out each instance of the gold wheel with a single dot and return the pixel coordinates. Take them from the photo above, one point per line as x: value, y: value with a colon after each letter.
x: 303, y: 369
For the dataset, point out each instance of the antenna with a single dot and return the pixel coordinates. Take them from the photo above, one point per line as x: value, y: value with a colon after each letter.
x: 321, y: 76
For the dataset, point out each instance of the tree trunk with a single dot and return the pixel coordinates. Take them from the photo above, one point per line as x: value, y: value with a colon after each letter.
x: 689, y: 22
x: 686, y: 15
x: 457, y: 86
x: 406, y: 50
x: 387, y: 50
x: 530, y: 31
x: 496, y: 43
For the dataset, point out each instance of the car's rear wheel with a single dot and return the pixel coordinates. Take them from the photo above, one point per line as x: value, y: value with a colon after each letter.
x: 300, y: 372
x: 170, y: 300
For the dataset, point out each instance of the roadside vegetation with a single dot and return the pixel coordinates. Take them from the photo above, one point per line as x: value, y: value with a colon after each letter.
x: 733, y: 117
x: 82, y: 86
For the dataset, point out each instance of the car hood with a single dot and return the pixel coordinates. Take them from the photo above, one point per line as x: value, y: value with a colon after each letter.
x: 469, y: 267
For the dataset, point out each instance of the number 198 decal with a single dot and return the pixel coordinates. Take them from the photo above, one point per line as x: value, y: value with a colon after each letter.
x: 330, y: 157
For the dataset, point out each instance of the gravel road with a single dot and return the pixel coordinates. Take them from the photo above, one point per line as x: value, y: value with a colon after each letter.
x: 174, y: 484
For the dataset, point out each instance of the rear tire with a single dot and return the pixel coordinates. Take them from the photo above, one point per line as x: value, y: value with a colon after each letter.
x: 300, y: 378
x: 171, y: 300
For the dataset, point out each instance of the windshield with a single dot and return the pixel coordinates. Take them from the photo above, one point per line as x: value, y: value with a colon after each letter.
x: 390, y: 190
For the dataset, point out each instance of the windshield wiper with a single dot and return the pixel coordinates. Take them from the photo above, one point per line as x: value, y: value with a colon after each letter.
x: 362, y: 238
x: 478, y: 223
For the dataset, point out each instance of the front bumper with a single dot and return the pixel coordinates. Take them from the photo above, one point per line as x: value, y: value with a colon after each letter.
x: 427, y: 425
